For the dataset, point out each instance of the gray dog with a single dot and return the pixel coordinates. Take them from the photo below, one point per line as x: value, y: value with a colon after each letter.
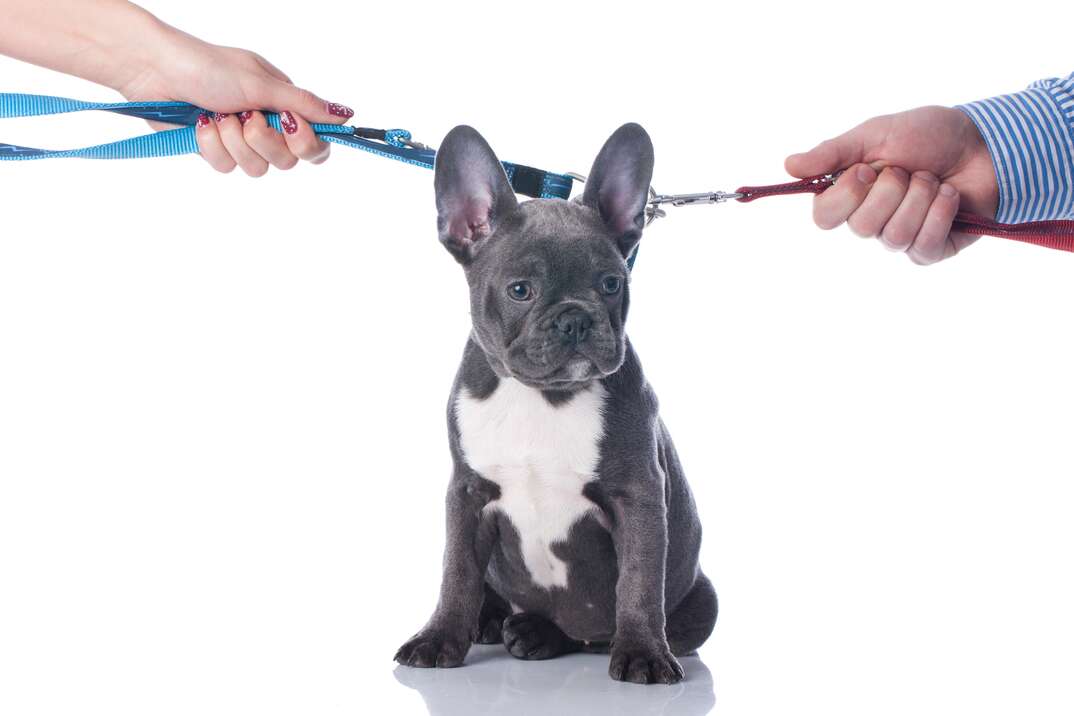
x: 570, y: 526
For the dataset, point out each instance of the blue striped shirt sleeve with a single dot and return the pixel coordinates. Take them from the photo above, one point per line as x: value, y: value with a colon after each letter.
x: 1030, y: 135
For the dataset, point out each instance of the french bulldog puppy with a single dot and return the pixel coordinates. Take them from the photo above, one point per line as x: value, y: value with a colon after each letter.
x: 570, y: 525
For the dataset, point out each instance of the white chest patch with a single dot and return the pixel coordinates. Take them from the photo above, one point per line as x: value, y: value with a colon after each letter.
x: 541, y: 456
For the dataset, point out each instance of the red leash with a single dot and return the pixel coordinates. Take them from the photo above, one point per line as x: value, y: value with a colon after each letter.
x: 1051, y: 234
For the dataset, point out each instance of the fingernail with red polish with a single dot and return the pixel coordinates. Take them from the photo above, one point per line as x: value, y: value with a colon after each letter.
x: 220, y: 117
x: 287, y: 121
x: 244, y: 117
x: 203, y: 120
x: 339, y: 110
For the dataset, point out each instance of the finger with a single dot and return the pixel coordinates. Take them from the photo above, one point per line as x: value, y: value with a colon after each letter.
x: 932, y: 243
x: 266, y: 141
x: 880, y: 203
x: 231, y: 134
x: 301, y: 140
x: 210, y: 147
x: 280, y: 96
x: 829, y: 156
x: 834, y: 206
x: 900, y: 232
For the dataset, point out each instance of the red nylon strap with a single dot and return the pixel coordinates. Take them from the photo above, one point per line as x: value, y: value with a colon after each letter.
x: 1050, y: 234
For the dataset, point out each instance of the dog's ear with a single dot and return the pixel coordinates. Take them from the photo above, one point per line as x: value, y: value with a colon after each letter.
x: 472, y: 192
x: 618, y: 184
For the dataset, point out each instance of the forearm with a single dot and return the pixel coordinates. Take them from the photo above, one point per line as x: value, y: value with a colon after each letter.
x: 466, y: 555
x: 1030, y: 136
x: 103, y: 41
x: 641, y: 542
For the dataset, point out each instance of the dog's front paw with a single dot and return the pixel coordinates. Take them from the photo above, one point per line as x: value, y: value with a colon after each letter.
x: 644, y: 662
x: 433, y: 647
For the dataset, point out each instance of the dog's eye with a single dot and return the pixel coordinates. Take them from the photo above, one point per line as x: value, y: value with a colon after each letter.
x: 520, y: 291
x: 611, y: 285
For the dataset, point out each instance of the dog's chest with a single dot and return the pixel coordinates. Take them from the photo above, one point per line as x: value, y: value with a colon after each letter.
x: 541, y: 456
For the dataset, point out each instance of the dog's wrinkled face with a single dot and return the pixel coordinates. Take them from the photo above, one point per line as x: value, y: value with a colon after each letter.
x: 548, y: 296
x: 548, y: 278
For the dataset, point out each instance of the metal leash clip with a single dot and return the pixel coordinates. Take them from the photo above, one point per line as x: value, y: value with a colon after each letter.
x: 411, y: 144
x: 394, y: 137
x: 654, y: 212
x: 656, y: 200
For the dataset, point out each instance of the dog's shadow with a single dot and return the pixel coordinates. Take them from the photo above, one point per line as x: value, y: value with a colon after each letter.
x: 494, y: 682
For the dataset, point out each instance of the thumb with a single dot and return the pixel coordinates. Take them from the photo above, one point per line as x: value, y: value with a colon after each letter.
x: 828, y: 156
x: 280, y: 96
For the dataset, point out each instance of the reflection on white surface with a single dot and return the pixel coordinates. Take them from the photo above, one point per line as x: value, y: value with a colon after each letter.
x: 494, y: 682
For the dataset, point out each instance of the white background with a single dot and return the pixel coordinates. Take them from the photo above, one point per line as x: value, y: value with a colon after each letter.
x: 222, y: 449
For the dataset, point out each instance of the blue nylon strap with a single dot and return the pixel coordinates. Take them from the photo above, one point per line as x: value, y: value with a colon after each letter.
x: 174, y: 142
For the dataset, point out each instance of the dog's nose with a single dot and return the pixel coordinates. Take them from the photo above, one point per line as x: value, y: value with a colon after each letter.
x: 573, y: 325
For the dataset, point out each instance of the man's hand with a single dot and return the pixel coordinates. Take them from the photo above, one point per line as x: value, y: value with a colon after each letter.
x: 906, y: 177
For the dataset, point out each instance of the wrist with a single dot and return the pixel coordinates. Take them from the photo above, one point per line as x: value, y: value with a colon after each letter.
x: 1024, y: 135
x: 114, y: 44
x: 103, y: 41
x: 978, y: 181
x: 969, y: 136
x: 136, y: 52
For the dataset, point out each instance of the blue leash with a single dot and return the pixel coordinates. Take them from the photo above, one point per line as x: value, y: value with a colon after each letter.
x: 391, y: 143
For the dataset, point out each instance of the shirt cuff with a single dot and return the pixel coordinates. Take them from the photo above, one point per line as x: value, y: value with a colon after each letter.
x: 1030, y: 136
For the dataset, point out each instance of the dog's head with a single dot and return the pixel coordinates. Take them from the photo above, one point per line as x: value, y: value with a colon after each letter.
x: 548, y: 278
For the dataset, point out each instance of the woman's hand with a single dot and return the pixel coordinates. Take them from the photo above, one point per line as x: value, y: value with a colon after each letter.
x: 118, y: 44
x: 235, y: 84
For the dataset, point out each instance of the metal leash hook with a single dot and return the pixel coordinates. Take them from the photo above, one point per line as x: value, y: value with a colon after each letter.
x: 653, y: 210
x: 394, y: 137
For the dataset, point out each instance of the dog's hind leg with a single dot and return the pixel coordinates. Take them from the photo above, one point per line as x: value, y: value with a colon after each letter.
x: 531, y: 636
x: 693, y: 619
x: 490, y: 622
